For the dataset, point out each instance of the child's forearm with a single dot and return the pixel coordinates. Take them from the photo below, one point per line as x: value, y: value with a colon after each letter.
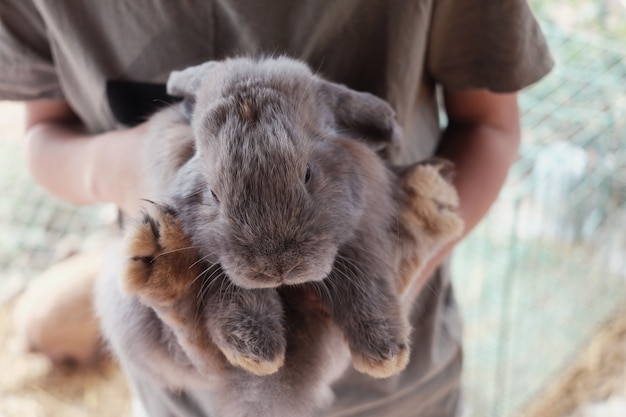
x: 82, y: 168
x: 482, y: 141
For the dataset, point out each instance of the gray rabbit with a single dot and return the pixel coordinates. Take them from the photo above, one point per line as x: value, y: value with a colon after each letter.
x: 279, y: 242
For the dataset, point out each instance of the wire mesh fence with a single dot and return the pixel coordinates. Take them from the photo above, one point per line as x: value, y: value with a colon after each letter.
x: 547, y: 265
x: 36, y: 229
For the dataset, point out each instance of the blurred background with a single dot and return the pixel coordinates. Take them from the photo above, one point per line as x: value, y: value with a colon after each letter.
x: 544, y: 276
x: 541, y: 282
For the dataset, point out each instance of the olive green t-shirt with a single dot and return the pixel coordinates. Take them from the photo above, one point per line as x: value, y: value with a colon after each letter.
x: 400, y: 50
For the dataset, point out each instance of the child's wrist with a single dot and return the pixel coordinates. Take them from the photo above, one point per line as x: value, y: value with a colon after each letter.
x: 116, y: 175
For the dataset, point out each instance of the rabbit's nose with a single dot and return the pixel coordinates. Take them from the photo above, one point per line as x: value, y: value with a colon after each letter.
x: 280, y: 271
x: 270, y: 278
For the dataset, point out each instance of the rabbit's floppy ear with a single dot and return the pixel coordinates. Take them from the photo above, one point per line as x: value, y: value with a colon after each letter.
x: 186, y: 83
x: 362, y: 116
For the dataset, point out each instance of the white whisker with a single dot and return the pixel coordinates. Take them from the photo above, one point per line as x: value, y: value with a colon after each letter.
x: 174, y: 251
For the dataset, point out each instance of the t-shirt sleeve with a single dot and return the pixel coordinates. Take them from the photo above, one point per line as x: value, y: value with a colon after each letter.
x: 27, y: 69
x: 496, y: 45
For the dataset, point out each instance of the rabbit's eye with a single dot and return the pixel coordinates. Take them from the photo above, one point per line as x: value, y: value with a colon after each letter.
x: 217, y: 200
x: 307, y: 175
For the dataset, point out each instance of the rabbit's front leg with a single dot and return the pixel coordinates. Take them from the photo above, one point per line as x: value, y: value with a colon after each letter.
x: 429, y: 217
x: 365, y: 308
x: 163, y: 270
x: 210, y: 317
x: 247, y: 325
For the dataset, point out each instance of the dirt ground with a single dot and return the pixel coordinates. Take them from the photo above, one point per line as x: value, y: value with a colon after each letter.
x: 597, y: 376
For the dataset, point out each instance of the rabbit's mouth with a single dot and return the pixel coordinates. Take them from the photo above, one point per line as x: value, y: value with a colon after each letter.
x: 275, y: 274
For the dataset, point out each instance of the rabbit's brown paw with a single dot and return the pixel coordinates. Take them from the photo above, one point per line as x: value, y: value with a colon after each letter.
x: 161, y: 262
x: 255, y: 365
x: 382, y: 366
x: 432, y: 204
x: 429, y: 217
x: 378, y: 353
x: 249, y: 331
x: 253, y: 347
